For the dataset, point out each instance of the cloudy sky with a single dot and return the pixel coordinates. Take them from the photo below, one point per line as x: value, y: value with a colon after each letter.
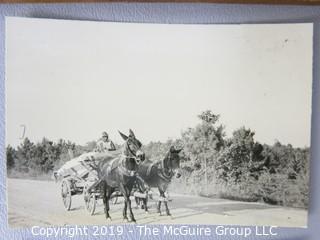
x: 75, y: 79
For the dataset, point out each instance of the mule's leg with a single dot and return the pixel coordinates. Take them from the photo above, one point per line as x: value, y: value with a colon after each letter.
x: 166, y: 206
x: 159, y: 202
x: 137, y: 201
x: 159, y: 207
x: 145, y: 203
x: 105, y: 200
x: 162, y: 195
x: 104, y: 196
x: 126, y: 198
x: 142, y: 203
x: 107, y: 206
x: 130, y: 209
x: 124, y: 213
x: 127, y: 191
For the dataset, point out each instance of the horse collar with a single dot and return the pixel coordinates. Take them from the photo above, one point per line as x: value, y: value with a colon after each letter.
x: 124, y: 170
x: 164, y: 175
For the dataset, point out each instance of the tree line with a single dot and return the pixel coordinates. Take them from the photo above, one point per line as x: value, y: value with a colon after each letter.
x: 237, y: 167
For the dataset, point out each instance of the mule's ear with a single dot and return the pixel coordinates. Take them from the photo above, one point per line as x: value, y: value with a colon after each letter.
x: 131, y: 133
x: 179, y: 150
x: 123, y: 136
x: 174, y: 150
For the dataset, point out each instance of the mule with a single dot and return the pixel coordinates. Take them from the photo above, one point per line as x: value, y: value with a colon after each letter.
x: 120, y: 174
x: 159, y: 175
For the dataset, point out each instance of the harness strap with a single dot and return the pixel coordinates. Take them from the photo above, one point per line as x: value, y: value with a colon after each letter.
x: 161, y: 171
x: 128, y: 146
x: 142, y: 183
x: 167, y: 178
x: 126, y: 172
x: 149, y: 169
x: 119, y: 163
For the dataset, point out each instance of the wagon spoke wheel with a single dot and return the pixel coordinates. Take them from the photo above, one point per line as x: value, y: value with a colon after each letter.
x: 90, y: 201
x: 66, y: 194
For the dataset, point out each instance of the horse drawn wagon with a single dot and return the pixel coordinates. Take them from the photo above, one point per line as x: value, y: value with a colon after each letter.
x: 79, y: 176
x: 124, y: 173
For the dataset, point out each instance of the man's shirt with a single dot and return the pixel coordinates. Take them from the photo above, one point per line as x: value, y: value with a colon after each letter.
x: 103, y: 146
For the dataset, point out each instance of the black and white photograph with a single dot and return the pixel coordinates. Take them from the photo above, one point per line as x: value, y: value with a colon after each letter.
x: 117, y: 123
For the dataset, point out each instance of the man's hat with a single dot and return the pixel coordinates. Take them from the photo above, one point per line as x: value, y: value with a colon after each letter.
x: 105, y: 134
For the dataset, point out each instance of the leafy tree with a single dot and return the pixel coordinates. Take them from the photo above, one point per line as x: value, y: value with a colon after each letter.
x: 236, y: 158
x: 209, y: 117
x: 299, y: 164
x: 25, y: 153
x: 203, y: 142
x: 11, y: 156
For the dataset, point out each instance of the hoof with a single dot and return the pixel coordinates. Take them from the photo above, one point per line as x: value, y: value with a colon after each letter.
x: 109, y: 219
x: 125, y: 220
x: 147, y: 212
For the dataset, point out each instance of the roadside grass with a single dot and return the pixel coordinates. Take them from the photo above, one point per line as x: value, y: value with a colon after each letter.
x: 31, y: 175
x: 274, y: 189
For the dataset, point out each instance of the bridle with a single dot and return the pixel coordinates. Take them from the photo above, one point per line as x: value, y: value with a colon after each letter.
x: 165, y: 175
x: 134, y: 156
x: 130, y: 150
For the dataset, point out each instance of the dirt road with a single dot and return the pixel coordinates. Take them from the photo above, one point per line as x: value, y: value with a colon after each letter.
x: 39, y: 203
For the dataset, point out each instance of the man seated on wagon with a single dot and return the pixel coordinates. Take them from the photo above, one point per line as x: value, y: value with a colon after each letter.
x: 105, y: 144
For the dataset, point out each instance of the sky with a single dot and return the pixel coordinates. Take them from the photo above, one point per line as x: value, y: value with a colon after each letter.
x: 74, y: 79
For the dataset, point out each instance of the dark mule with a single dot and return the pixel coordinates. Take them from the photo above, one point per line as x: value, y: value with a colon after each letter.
x: 159, y: 175
x: 120, y: 173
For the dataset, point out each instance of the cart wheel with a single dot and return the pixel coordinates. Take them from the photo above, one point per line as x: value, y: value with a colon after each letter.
x: 90, y: 201
x: 66, y: 194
